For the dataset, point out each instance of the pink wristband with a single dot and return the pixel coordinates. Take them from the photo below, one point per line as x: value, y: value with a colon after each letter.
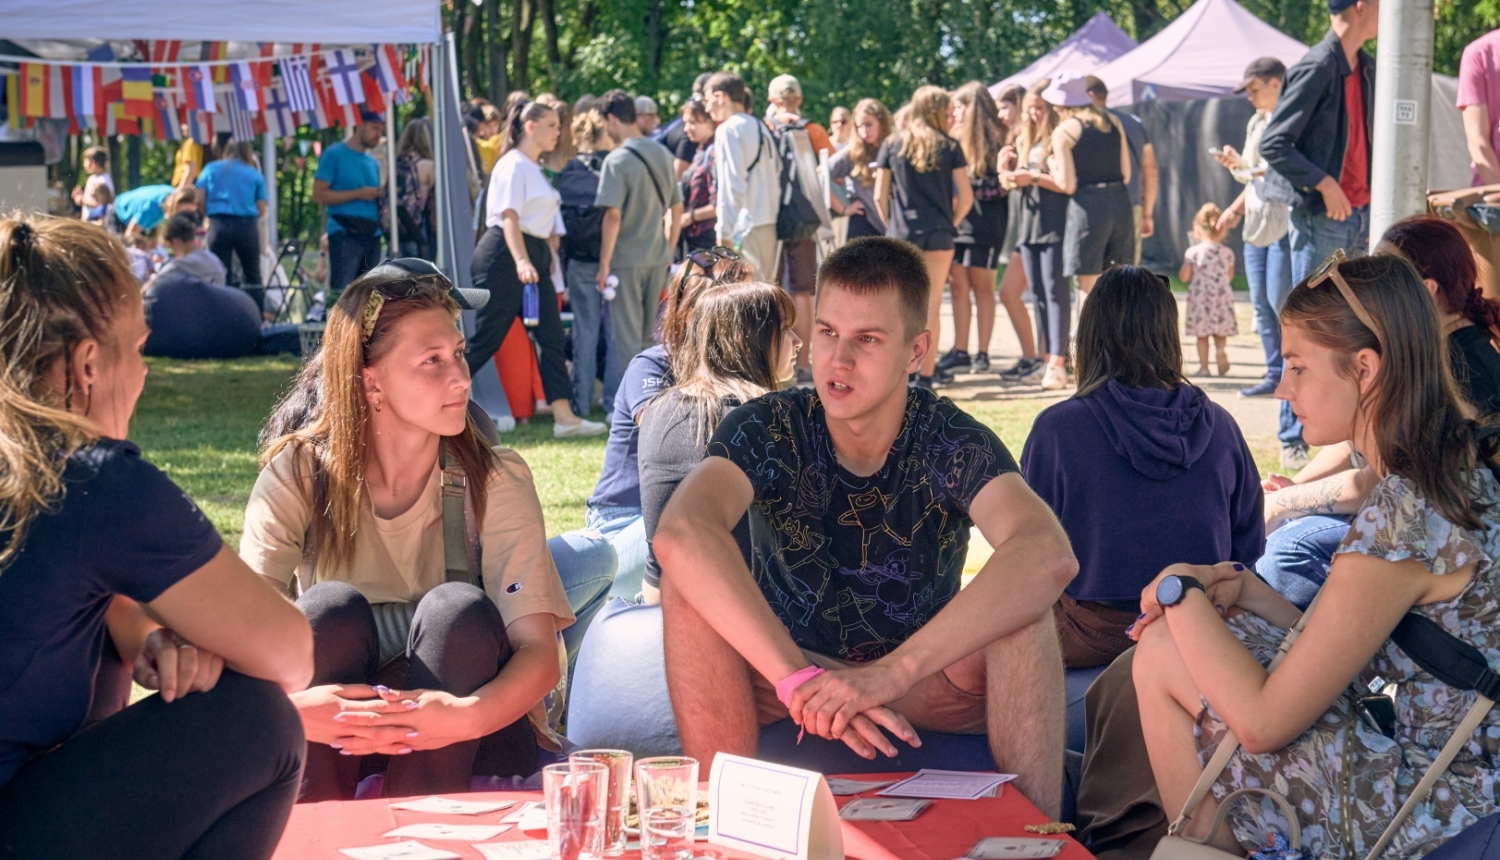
x: 786, y: 685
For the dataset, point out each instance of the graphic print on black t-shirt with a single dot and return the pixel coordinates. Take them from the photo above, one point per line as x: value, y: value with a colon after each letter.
x: 853, y: 566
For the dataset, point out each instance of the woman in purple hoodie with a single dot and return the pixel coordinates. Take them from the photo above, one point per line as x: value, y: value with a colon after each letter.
x: 1141, y: 468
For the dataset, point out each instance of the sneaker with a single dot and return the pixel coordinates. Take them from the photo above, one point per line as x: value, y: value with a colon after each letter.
x: 923, y: 382
x: 1055, y: 378
x: 981, y: 363
x: 804, y: 377
x: 1035, y: 374
x: 1022, y: 368
x: 504, y: 423
x: 955, y: 359
x: 583, y: 428
x: 1294, y: 458
x: 941, y: 376
x: 1265, y: 388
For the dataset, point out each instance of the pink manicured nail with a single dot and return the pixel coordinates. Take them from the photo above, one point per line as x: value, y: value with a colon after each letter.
x: 336, y: 745
x: 411, y: 734
x: 339, y: 718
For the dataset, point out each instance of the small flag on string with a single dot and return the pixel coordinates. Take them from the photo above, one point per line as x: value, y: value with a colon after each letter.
x: 34, y: 82
x: 246, y: 89
x: 388, y: 69
x: 136, y: 91
x: 121, y: 122
x: 298, y: 83
x: 85, y: 85
x: 241, y: 120
x: 200, y: 88
x: 217, y: 51
x: 343, y: 74
x: 281, y: 120
x: 200, y: 126
x: 373, y: 99
x: 167, y: 127
x: 103, y: 53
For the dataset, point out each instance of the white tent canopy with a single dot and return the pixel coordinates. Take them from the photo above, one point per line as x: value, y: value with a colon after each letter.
x: 326, y: 22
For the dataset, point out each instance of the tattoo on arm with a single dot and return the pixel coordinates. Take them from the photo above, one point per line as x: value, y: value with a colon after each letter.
x: 1319, y: 497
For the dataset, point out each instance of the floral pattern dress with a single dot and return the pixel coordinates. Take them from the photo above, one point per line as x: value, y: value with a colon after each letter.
x: 1210, y: 301
x: 1347, y: 780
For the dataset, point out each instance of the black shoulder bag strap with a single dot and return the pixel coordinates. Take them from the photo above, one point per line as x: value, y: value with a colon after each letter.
x: 455, y: 533
x: 655, y: 186
x: 760, y: 144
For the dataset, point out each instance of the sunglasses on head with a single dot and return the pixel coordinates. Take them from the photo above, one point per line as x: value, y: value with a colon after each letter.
x: 706, y: 258
x: 1330, y: 271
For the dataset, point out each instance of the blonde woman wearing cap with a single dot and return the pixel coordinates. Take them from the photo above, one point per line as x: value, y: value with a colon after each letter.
x: 1093, y: 161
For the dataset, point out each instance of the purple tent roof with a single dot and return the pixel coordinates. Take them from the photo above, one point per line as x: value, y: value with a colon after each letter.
x: 1200, y: 55
x: 1091, y: 46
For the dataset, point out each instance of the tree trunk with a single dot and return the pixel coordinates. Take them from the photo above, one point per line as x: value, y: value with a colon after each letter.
x: 459, y: 22
x: 655, y: 43
x: 544, y: 9
x: 495, y: 36
x: 475, y: 55
x: 588, y: 14
x: 133, y: 162
x: 521, y: 21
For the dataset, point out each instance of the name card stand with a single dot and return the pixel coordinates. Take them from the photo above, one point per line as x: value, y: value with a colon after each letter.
x: 784, y: 813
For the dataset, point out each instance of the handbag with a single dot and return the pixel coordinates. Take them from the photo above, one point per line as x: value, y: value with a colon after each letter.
x: 1440, y: 653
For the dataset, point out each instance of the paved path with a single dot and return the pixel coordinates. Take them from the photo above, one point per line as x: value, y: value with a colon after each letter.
x: 1256, y: 416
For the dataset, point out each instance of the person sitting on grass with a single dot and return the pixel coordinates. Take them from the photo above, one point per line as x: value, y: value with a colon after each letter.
x: 861, y: 494
x: 1365, y: 364
x: 189, y: 257
x: 739, y: 345
x: 1137, y: 430
x: 106, y: 564
x: 351, y: 507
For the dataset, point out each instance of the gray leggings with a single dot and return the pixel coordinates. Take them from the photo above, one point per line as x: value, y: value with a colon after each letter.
x: 1053, y: 298
x: 457, y: 644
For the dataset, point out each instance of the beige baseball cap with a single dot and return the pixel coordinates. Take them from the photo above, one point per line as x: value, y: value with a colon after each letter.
x: 785, y: 85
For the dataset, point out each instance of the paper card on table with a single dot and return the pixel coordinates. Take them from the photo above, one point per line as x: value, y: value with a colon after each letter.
x: 772, y: 810
x: 526, y: 849
x: 531, y: 815
x: 841, y: 787
x: 883, y: 809
x: 1015, y: 848
x: 410, y: 850
x: 947, y: 784
x: 456, y: 832
x: 449, y: 806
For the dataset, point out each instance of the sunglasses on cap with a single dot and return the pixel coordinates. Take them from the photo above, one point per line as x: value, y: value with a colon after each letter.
x: 412, y: 274
x: 1330, y: 271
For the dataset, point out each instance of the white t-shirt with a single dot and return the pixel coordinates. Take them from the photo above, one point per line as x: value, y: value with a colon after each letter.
x: 518, y: 183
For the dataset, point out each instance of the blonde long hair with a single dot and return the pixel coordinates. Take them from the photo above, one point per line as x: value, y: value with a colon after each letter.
x: 980, y: 133
x: 61, y: 280
x: 323, y: 418
x: 1033, y: 133
x: 861, y: 154
x: 926, y: 126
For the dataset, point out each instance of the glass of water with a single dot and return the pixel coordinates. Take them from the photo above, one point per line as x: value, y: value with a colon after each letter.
x: 618, y: 763
x: 576, y: 794
x: 667, y: 800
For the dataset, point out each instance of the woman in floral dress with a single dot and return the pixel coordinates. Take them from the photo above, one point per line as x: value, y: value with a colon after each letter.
x: 1364, y: 363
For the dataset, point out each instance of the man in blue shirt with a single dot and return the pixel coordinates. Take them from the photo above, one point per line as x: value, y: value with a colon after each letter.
x: 348, y: 183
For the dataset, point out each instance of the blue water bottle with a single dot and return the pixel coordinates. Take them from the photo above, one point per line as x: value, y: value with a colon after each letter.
x: 531, y: 306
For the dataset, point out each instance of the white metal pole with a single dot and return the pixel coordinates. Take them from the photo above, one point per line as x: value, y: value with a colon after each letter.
x: 1403, y: 92
x: 390, y: 174
x: 268, y: 167
x: 440, y: 141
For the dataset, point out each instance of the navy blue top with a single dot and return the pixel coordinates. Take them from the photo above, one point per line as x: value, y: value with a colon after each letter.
x: 647, y: 375
x: 1142, y: 478
x: 853, y: 565
x: 122, y: 527
x: 232, y: 188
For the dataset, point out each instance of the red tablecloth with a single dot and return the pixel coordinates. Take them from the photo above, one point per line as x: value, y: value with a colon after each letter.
x: 944, y: 831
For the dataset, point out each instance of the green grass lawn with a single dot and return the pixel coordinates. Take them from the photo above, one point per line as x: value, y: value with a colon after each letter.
x: 198, y: 421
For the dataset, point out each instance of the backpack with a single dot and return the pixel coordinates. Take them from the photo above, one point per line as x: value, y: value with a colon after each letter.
x: 797, y: 218
x: 578, y: 185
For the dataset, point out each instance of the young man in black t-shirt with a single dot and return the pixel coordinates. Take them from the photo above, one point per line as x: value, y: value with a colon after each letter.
x: 860, y: 496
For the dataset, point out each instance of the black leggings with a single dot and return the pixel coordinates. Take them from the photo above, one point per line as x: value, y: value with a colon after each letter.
x: 457, y: 644
x: 495, y: 270
x: 1053, y: 297
x: 211, y: 775
x: 239, y: 236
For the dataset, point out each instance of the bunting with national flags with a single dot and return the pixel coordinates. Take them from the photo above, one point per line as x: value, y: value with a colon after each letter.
x: 281, y: 120
x: 200, y: 126
x: 296, y: 78
x: 215, y: 51
x: 388, y: 69
x: 343, y: 77
x: 374, y: 101
x: 246, y: 88
x: 42, y: 92
x: 165, y: 118
x: 135, y: 91
x: 199, y: 89
x: 86, y: 82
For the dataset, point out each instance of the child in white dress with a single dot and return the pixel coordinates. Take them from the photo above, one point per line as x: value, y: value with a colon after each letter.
x: 1208, y: 268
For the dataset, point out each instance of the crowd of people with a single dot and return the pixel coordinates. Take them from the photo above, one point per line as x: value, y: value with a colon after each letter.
x: 397, y: 622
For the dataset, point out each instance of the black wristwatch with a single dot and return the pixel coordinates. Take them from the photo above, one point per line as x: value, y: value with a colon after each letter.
x: 1172, y: 589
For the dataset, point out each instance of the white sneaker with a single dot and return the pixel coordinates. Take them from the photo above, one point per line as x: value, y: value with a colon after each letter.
x: 1055, y: 379
x: 584, y: 427
x: 503, y: 423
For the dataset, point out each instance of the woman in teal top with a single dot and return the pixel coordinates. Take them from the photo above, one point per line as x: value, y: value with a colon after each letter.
x: 236, y: 193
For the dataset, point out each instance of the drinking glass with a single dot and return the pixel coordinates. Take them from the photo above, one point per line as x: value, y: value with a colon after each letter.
x: 618, y: 763
x: 576, y: 794
x: 667, y: 800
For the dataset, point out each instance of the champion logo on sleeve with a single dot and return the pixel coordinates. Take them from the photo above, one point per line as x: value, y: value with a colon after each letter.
x: 513, y: 588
